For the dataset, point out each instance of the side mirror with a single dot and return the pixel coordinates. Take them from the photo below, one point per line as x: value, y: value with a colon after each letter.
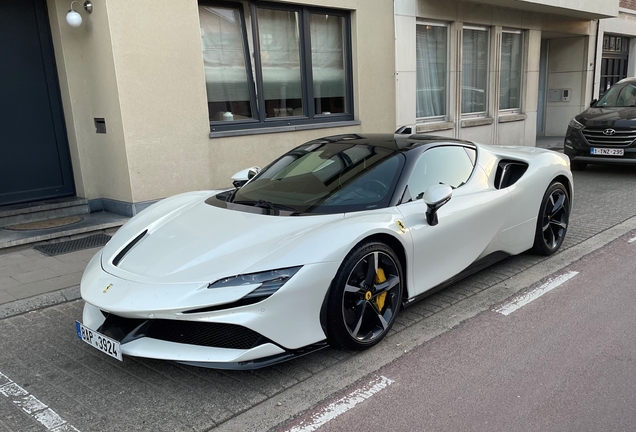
x: 404, y: 130
x: 240, y: 178
x: 435, y: 197
x: 593, y: 103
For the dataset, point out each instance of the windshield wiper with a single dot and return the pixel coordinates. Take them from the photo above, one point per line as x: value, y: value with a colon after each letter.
x: 268, y: 205
x: 273, y: 206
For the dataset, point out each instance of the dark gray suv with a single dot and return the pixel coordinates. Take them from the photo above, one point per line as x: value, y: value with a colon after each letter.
x: 605, y: 133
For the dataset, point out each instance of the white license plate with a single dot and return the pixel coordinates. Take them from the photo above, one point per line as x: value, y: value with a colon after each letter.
x: 607, y: 151
x: 97, y: 340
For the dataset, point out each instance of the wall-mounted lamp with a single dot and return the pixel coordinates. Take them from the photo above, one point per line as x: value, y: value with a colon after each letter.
x: 73, y: 18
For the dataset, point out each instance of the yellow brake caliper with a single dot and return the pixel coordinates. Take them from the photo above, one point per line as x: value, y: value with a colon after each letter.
x: 380, y: 278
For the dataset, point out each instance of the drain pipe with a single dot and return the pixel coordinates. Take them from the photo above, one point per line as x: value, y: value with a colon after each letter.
x: 598, y: 36
x: 396, y: 77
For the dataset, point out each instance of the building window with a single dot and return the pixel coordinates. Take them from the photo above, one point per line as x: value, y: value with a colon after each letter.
x: 475, y: 57
x: 511, y: 66
x: 228, y: 77
x: 432, y: 76
x: 282, y: 65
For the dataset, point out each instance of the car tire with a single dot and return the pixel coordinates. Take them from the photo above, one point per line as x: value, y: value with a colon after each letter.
x: 553, y: 219
x: 577, y: 166
x: 365, y: 297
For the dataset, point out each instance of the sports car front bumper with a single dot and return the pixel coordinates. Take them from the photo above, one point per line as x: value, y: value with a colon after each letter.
x: 284, y: 325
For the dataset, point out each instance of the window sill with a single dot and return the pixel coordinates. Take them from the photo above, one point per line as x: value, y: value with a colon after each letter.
x: 434, y: 127
x: 507, y: 118
x: 481, y: 121
x: 278, y: 129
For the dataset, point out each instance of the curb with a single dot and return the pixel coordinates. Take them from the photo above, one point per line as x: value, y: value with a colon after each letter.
x: 29, y: 304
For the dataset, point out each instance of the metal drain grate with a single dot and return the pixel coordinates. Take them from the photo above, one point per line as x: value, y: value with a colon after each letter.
x: 65, y: 247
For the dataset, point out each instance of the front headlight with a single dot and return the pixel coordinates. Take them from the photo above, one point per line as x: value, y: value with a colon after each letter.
x: 575, y: 124
x: 265, y: 283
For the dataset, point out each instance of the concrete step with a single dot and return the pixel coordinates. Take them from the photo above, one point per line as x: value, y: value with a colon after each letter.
x: 42, y: 210
x: 11, y: 240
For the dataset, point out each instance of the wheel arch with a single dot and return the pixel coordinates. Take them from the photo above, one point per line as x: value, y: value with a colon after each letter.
x: 566, y: 182
x: 399, y: 250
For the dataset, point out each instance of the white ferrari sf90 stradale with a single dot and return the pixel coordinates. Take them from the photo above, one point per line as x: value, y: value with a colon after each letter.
x: 323, y: 246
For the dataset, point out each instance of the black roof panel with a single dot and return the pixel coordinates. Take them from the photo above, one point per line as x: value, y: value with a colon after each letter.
x: 395, y: 142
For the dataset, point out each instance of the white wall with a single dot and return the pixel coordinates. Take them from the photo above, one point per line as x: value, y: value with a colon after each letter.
x: 498, y: 127
x: 570, y: 66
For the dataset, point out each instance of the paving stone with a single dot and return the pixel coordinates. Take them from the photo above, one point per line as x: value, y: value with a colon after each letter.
x: 13, y: 259
x: 431, y: 307
x: 5, y: 297
x: 48, y: 285
x: 35, y: 275
x: 36, y: 264
x: 61, y: 267
x: 8, y: 282
x: 437, y: 301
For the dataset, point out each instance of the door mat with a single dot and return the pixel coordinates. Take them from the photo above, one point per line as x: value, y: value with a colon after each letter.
x: 52, y: 249
x: 45, y: 224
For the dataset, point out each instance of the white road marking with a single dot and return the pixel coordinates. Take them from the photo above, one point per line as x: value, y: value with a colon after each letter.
x: 343, y: 405
x: 33, y: 407
x: 631, y: 240
x: 534, y: 294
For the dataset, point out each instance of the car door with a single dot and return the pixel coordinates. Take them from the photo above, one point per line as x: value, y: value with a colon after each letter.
x: 468, y: 223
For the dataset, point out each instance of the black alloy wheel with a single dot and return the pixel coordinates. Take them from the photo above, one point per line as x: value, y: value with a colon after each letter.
x: 552, y: 223
x: 365, y: 298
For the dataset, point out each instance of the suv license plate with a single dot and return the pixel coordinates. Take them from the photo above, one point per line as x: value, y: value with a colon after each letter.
x: 97, y: 340
x: 607, y: 151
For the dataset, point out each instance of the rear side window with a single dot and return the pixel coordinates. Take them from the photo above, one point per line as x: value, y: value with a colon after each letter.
x: 450, y: 165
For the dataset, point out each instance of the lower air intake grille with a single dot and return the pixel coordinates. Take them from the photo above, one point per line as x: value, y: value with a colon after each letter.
x: 205, y: 334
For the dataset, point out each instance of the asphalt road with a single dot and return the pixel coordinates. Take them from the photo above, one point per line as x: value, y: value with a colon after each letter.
x: 70, y: 386
x: 563, y: 362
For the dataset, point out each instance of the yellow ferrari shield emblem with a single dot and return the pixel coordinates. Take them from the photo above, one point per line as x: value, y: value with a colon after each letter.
x: 368, y: 296
x: 107, y: 288
x: 400, y: 225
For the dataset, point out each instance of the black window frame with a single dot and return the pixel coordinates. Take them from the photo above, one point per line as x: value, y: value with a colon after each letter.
x: 255, y: 81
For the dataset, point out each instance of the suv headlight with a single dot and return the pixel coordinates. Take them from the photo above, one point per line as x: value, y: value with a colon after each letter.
x: 575, y: 124
x: 265, y: 283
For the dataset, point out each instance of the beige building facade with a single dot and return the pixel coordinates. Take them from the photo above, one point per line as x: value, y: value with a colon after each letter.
x: 495, y: 71
x: 164, y: 97
x: 144, y: 100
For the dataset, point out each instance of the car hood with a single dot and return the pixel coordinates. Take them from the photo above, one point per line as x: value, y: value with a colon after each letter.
x: 608, y: 117
x: 189, y: 241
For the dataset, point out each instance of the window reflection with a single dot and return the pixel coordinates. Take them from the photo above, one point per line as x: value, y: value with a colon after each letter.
x: 449, y: 165
x: 328, y: 63
x: 280, y: 62
x: 226, y: 81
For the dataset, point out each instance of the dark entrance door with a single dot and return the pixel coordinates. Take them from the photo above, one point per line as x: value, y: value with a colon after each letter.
x: 614, y: 61
x: 34, y: 157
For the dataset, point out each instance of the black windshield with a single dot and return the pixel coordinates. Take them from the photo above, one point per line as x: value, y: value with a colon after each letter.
x: 322, y: 177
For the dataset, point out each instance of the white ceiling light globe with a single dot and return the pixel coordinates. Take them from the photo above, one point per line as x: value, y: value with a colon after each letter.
x: 73, y: 18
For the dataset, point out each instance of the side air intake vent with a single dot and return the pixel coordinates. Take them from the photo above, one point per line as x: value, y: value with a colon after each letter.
x: 508, y: 172
x: 127, y: 249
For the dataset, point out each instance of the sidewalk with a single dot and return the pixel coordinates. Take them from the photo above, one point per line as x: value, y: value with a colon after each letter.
x: 30, y: 280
